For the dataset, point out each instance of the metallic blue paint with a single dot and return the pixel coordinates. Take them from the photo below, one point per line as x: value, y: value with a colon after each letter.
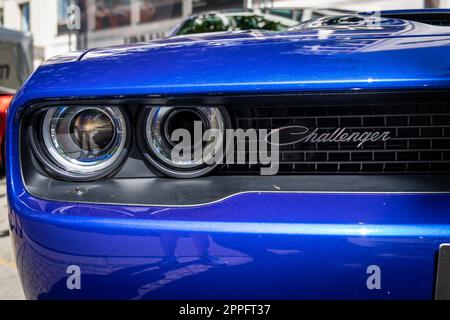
x: 252, y: 245
x: 291, y: 246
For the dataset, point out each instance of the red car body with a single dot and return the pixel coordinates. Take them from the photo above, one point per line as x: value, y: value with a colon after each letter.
x: 6, y: 97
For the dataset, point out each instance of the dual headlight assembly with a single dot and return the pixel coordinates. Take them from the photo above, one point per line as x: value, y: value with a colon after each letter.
x: 84, y: 143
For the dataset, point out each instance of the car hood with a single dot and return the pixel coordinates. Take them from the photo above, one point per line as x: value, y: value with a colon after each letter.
x: 401, y: 55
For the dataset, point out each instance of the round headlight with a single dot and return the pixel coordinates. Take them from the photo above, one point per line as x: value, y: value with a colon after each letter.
x: 84, y: 141
x: 161, y: 123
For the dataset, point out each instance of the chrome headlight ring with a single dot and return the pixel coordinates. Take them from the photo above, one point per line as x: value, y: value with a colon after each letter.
x: 160, y: 122
x: 81, y: 143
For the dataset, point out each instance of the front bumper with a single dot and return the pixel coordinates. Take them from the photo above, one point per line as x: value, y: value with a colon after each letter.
x: 248, y: 246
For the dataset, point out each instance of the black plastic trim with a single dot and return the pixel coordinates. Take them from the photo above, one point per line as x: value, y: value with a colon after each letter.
x: 187, y: 192
x: 442, y: 291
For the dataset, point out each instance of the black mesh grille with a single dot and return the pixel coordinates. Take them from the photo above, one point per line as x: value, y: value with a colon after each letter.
x: 419, y: 138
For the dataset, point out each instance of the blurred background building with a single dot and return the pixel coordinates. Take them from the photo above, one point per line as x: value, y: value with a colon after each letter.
x: 58, y: 26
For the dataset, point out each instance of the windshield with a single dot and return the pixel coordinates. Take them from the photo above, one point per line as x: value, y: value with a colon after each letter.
x: 217, y: 23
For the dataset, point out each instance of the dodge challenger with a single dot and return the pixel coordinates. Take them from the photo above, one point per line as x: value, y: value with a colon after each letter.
x: 347, y: 198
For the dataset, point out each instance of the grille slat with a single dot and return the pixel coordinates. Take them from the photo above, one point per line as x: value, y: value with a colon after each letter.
x: 419, y: 138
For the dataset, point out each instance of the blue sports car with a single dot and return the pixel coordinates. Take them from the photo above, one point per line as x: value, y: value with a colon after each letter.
x: 312, y: 163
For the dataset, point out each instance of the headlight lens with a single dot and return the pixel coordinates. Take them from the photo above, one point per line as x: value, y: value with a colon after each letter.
x: 84, y: 140
x: 161, y: 122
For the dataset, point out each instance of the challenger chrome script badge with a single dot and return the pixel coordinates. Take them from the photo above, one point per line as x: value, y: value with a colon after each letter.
x: 296, y: 134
